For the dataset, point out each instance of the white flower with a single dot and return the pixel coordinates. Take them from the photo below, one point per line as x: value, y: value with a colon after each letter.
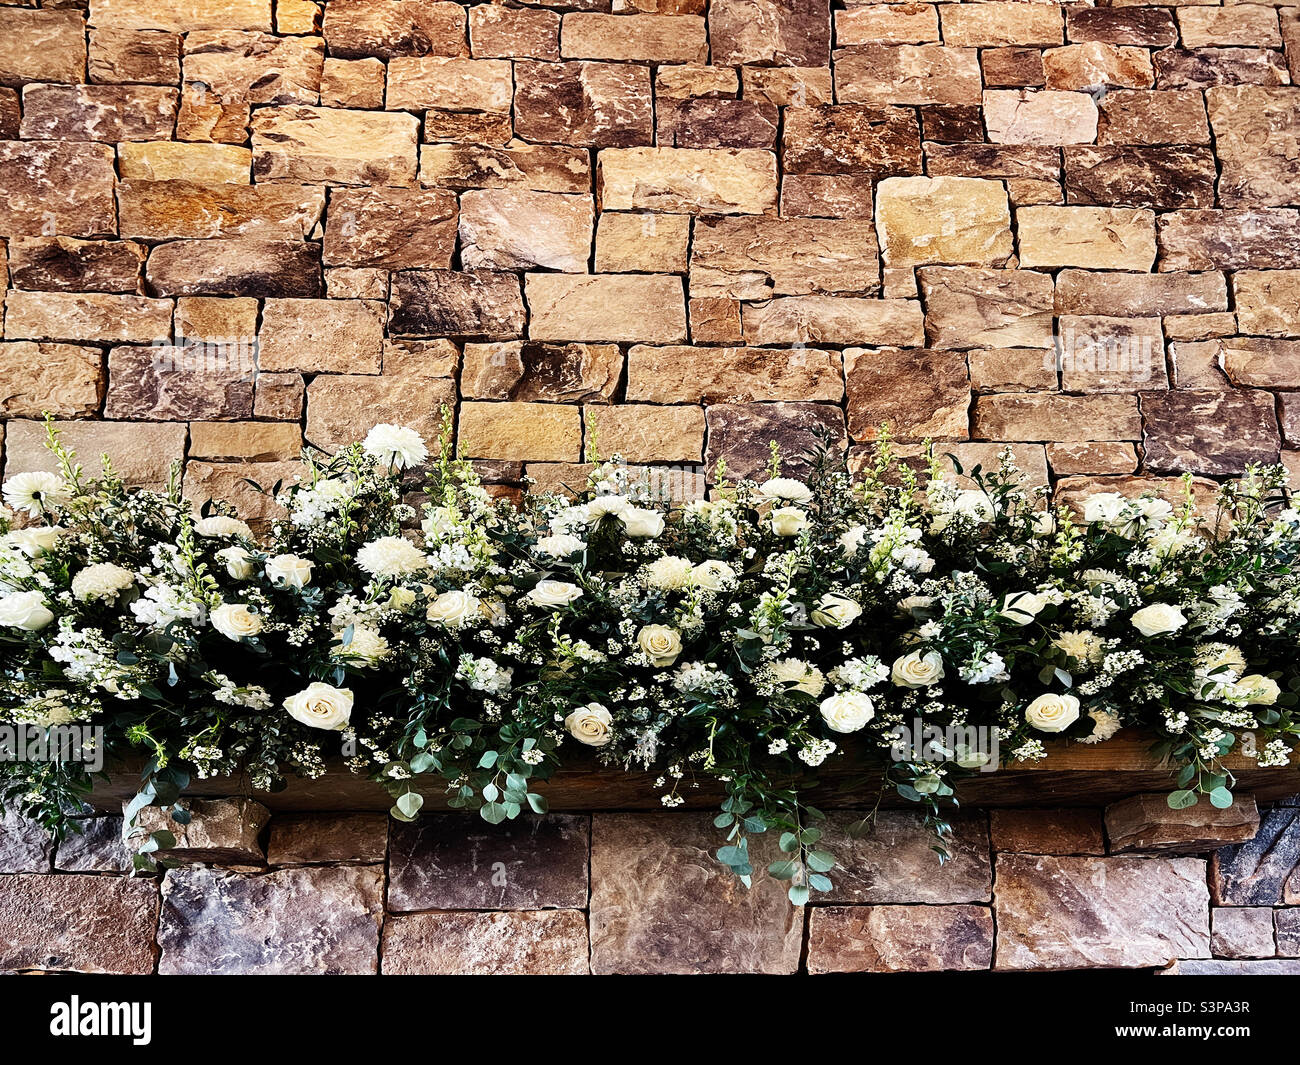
x: 669, y: 573
x: 1258, y: 690
x: 289, y: 571
x: 453, y: 608
x: 24, y: 610
x: 599, y: 506
x: 1104, y: 726
x: 835, y: 612
x: 238, y: 562
x: 222, y: 525
x: 852, y: 539
x: 1104, y: 507
x: 1044, y: 523
x: 788, y: 521
x: 1220, y: 661
x: 235, y: 621
x: 1022, y: 607
x: 321, y: 705
x: 35, y: 540
x: 917, y: 670
x: 365, y: 645
x: 642, y: 524
x: 103, y: 580
x: 800, y: 675
x: 1158, y: 619
x: 401, y: 599
x: 1084, y: 647
x: 660, y: 643
x: 553, y: 593
x: 1052, y: 713
x: 847, y: 711
x: 561, y: 545
x: 590, y: 724
x: 391, y: 556
x: 713, y: 575
x: 35, y: 492
x: 397, y: 445
x: 437, y: 523
x: 787, y: 489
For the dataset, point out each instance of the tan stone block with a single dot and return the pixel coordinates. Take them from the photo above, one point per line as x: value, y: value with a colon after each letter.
x: 183, y: 15
x: 279, y: 396
x: 297, y: 16
x: 1096, y: 238
x: 991, y: 25
x: 356, y: 283
x: 500, y: 32
x: 757, y: 258
x: 638, y: 38
x: 789, y: 86
x: 254, y: 68
x: 1256, y: 362
x: 213, y: 319
x: 918, y: 394
x: 888, y: 24
x: 512, y: 229
x: 1101, y: 353
x: 228, y: 483
x: 1257, y: 141
x: 63, y: 379
x: 688, y: 81
x: 321, y: 336
x: 679, y: 374
x: 184, y: 210
x: 57, y: 187
x: 1145, y: 824
x: 421, y: 358
x: 899, y: 939
x: 546, y: 373
x: 1012, y: 369
x: 151, y: 57
x: 343, y: 408
x: 1197, y: 365
x: 391, y: 229
x: 544, y: 167
x: 943, y: 220
x: 1083, y: 66
x: 141, y: 451
x: 355, y: 29
x: 834, y: 320
x: 203, y: 164
x: 909, y: 74
x: 973, y: 307
x: 1200, y: 326
x: 331, y: 146
x: 715, y: 321
x: 687, y: 180
x: 1093, y: 457
x: 1250, y: 25
x: 611, y: 307
x: 353, y: 83
x: 538, y: 432
x: 647, y: 433
x: 1096, y: 292
x: 1268, y: 301
x: 628, y: 242
x: 450, y: 82
x: 38, y: 46
x: 519, y: 943
x: 245, y: 441
x: 93, y: 316
x: 1030, y: 116
x: 203, y: 118
x: 771, y: 32
x: 1037, y: 416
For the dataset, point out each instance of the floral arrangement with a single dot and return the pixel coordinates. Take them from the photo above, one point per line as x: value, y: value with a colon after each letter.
x: 403, y: 618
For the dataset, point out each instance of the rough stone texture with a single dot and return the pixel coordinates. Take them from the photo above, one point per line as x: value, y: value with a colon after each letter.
x: 219, y: 830
x: 943, y: 220
x: 1257, y: 138
x: 1212, y: 433
x: 66, y: 264
x: 741, y: 433
x: 25, y: 847
x: 598, y: 105
x: 322, y: 920
x: 556, y: 373
x: 1065, y: 831
x: 731, y: 375
x: 523, y: 943
x: 444, y: 862
x: 342, y: 408
x: 391, y: 229
x: 609, y: 307
x: 86, y: 316
x: 448, y: 303
x: 695, y: 181
x: 97, y: 848
x: 87, y: 924
x: 142, y: 451
x: 1040, y: 117
x: 56, y: 188
x: 920, y: 394
x: 235, y: 266
x: 895, y: 939
x: 698, y: 919
x: 968, y: 307
x: 175, y: 383
x: 330, y: 336
x: 1083, y: 913
x: 62, y: 379
x: 1245, y: 932
x: 533, y: 431
x: 1145, y: 823
x: 334, y: 146
x: 1261, y: 871
x: 1096, y: 238
x: 512, y: 229
x: 309, y: 839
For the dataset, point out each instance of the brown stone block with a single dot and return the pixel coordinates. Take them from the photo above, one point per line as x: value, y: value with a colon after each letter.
x: 25, y: 846
x: 57, y: 188
x: 1093, y: 457
x: 635, y: 38
x: 523, y: 943
x: 1255, y: 362
x: 609, y: 307
x: 1084, y: 66
x: 235, y: 266
x: 1099, y: 292
x: 544, y: 167
x: 223, y: 831
x: 1029, y: 416
x: 888, y: 24
x: 1202, y: 68
x: 450, y: 82
x: 1242, y: 932
x: 279, y: 395
x: 99, y: 112
x: 742, y: 434
x: 1102, y: 353
x: 789, y: 86
x: 92, y: 316
x: 66, y: 264
x: 420, y: 358
x: 1149, y: 26
x: 177, y: 384
x: 715, y: 321
x: 540, y: 432
x: 834, y: 320
x: 1167, y: 177
x: 899, y: 939
x: 1012, y: 369
x: 355, y: 29
x: 228, y: 482
x: 1257, y: 140
x: 183, y: 210
x: 952, y: 123
x: 1250, y: 25
x: 1013, y: 68
x: 1200, y: 326
x: 62, y: 379
x: 445, y: 303
x: 771, y: 32
x: 518, y: 229
x: 141, y: 451
x: 1211, y: 433
x: 1174, y: 116
x: 1196, y: 365
x: 908, y: 74
x: 969, y: 307
x: 943, y: 220
x: 151, y: 57
x: 326, y: 145
x: 548, y: 373
x: 308, y: 839
x: 646, y: 433
x: 731, y: 375
x: 597, y: 105
x: 851, y: 139
x: 1068, y: 831
x: 11, y: 114
x: 393, y: 229
x: 254, y: 68
x: 687, y: 180
x: 1262, y: 239
x: 353, y: 83
x: 467, y: 127
x: 500, y: 32
x: 342, y: 408
x: 1147, y: 824
x: 1268, y: 301
x: 919, y: 394
x: 710, y: 123
x: 826, y: 196
x: 46, y: 45
x: 203, y: 118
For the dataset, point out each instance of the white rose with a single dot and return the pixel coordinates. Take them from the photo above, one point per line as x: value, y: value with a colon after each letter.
x: 289, y: 571
x: 788, y: 521
x: 642, y: 524
x: 24, y: 610
x: 974, y: 503
x: 238, y: 562
x: 660, y: 643
x: 917, y: 670
x: 321, y: 706
x: 1258, y: 689
x: 713, y: 575
x: 1158, y: 619
x: 785, y: 488
x: 560, y: 545
x: 235, y: 621
x: 800, y: 675
x: 835, y: 612
x: 590, y: 724
x: 453, y: 608
x: 222, y: 525
x: 1022, y: 607
x: 847, y: 712
x: 1104, y: 507
x: 401, y: 599
x: 669, y: 573
x: 391, y: 556
x: 553, y: 593
x: 1053, y: 713
x: 36, y: 540
x: 103, y: 580
x: 851, y: 540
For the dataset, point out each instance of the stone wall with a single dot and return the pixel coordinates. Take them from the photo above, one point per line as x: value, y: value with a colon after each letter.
x: 640, y: 893
x: 232, y: 225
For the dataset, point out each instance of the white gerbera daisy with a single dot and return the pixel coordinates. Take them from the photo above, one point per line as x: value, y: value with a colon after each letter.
x: 398, y: 445
x: 35, y: 492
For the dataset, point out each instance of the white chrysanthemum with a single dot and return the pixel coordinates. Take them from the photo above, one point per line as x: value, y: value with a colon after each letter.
x: 35, y: 492
x: 397, y: 445
x: 1221, y: 661
x: 669, y: 573
x: 390, y: 556
x: 101, y: 581
x: 1083, y: 647
x: 787, y: 489
x: 599, y: 506
x: 800, y: 675
x: 561, y: 545
x: 1104, y: 726
x: 222, y: 525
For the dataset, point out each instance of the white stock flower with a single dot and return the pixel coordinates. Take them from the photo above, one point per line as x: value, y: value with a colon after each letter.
x: 713, y: 575
x: 835, y: 612
x: 235, y: 621
x: 321, y: 705
x: 917, y: 670
x: 289, y: 571
x: 1158, y: 619
x: 35, y: 492
x: 1022, y: 607
x: 103, y: 580
x: 397, y: 445
x: 669, y: 573
x: 785, y: 488
x: 238, y: 562
x: 642, y: 524
x: 847, y: 711
x: 561, y: 545
x: 453, y: 608
x: 788, y: 521
x: 391, y: 556
x: 552, y: 594
x: 24, y: 610
x: 800, y: 675
x: 590, y: 724
x: 1052, y: 713
x: 661, y: 644
x: 222, y: 525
